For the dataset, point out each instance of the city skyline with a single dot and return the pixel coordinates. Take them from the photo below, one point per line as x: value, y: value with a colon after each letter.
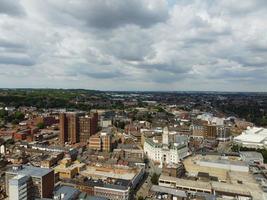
x: 134, y: 45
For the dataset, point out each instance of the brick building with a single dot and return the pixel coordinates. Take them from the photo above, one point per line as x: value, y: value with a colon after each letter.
x: 100, y: 142
x: 77, y: 127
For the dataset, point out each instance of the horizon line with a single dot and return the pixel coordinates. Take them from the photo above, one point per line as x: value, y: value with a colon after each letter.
x: 100, y: 90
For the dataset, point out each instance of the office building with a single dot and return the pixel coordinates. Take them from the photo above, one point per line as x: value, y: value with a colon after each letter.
x: 197, y: 128
x: 18, y: 187
x: 27, y: 182
x: 112, y: 182
x: 210, y: 131
x: 100, y: 142
x: 223, y: 133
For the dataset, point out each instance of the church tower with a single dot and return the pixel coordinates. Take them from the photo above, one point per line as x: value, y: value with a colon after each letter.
x: 165, y: 136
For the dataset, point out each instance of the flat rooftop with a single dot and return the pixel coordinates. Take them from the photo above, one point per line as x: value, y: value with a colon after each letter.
x: 193, y: 165
x: 19, y: 179
x: 97, y: 172
x: 188, y: 183
x: 29, y: 171
x: 247, y: 186
x: 224, y: 161
x: 166, y: 190
x: 193, y: 184
x: 119, y: 185
x: 231, y: 188
x: 71, y: 167
x: 69, y: 192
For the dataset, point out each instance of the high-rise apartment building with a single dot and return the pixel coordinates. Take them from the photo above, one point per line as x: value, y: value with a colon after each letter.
x: 210, y: 131
x: 27, y: 182
x: 100, y: 142
x: 88, y: 126
x: 95, y: 142
x: 106, y: 143
x: 77, y: 127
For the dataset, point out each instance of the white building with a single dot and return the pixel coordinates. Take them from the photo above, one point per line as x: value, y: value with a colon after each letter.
x: 104, y: 123
x: 223, y: 133
x: 166, y: 152
x: 254, y: 137
x: 211, y: 119
x: 2, y: 149
x: 18, y: 187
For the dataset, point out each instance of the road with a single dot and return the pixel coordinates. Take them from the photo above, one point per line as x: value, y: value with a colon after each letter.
x: 146, y: 184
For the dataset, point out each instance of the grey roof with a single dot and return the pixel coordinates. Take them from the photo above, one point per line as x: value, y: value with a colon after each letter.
x: 224, y: 162
x: 251, y: 155
x: 180, y: 138
x: 166, y: 190
x: 179, y: 193
x: 19, y: 180
x: 95, y: 198
x: 117, y: 187
x: 69, y: 192
x: 179, y: 144
x: 30, y: 171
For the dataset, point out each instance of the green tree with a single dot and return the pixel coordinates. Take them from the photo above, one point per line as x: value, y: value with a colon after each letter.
x: 155, y: 179
x: 3, y: 113
x: 120, y: 124
x: 15, y: 121
x: 19, y: 116
x: 41, y: 125
x: 10, y: 141
x: 235, y: 148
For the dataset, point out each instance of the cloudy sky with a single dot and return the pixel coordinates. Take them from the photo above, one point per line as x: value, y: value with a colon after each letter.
x: 134, y: 44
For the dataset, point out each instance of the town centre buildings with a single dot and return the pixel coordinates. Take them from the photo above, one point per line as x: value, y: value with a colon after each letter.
x: 168, y: 151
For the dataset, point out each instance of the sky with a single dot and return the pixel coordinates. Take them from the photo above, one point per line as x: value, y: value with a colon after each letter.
x: 168, y: 45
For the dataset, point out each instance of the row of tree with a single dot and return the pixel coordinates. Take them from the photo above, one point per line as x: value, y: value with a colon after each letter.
x: 14, y: 117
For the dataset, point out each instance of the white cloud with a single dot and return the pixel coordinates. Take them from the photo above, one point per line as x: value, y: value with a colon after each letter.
x: 134, y: 44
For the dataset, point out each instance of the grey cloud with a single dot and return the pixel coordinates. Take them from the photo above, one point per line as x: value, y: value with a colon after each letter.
x: 192, y: 42
x: 13, y: 60
x: 108, y: 14
x: 12, y: 47
x: 92, y: 71
x: 244, y: 8
x: 172, y: 67
x: 104, y: 75
x: 129, y: 44
x: 11, y: 7
x: 8, y: 44
x: 258, y: 48
x: 251, y: 61
x: 253, y: 75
